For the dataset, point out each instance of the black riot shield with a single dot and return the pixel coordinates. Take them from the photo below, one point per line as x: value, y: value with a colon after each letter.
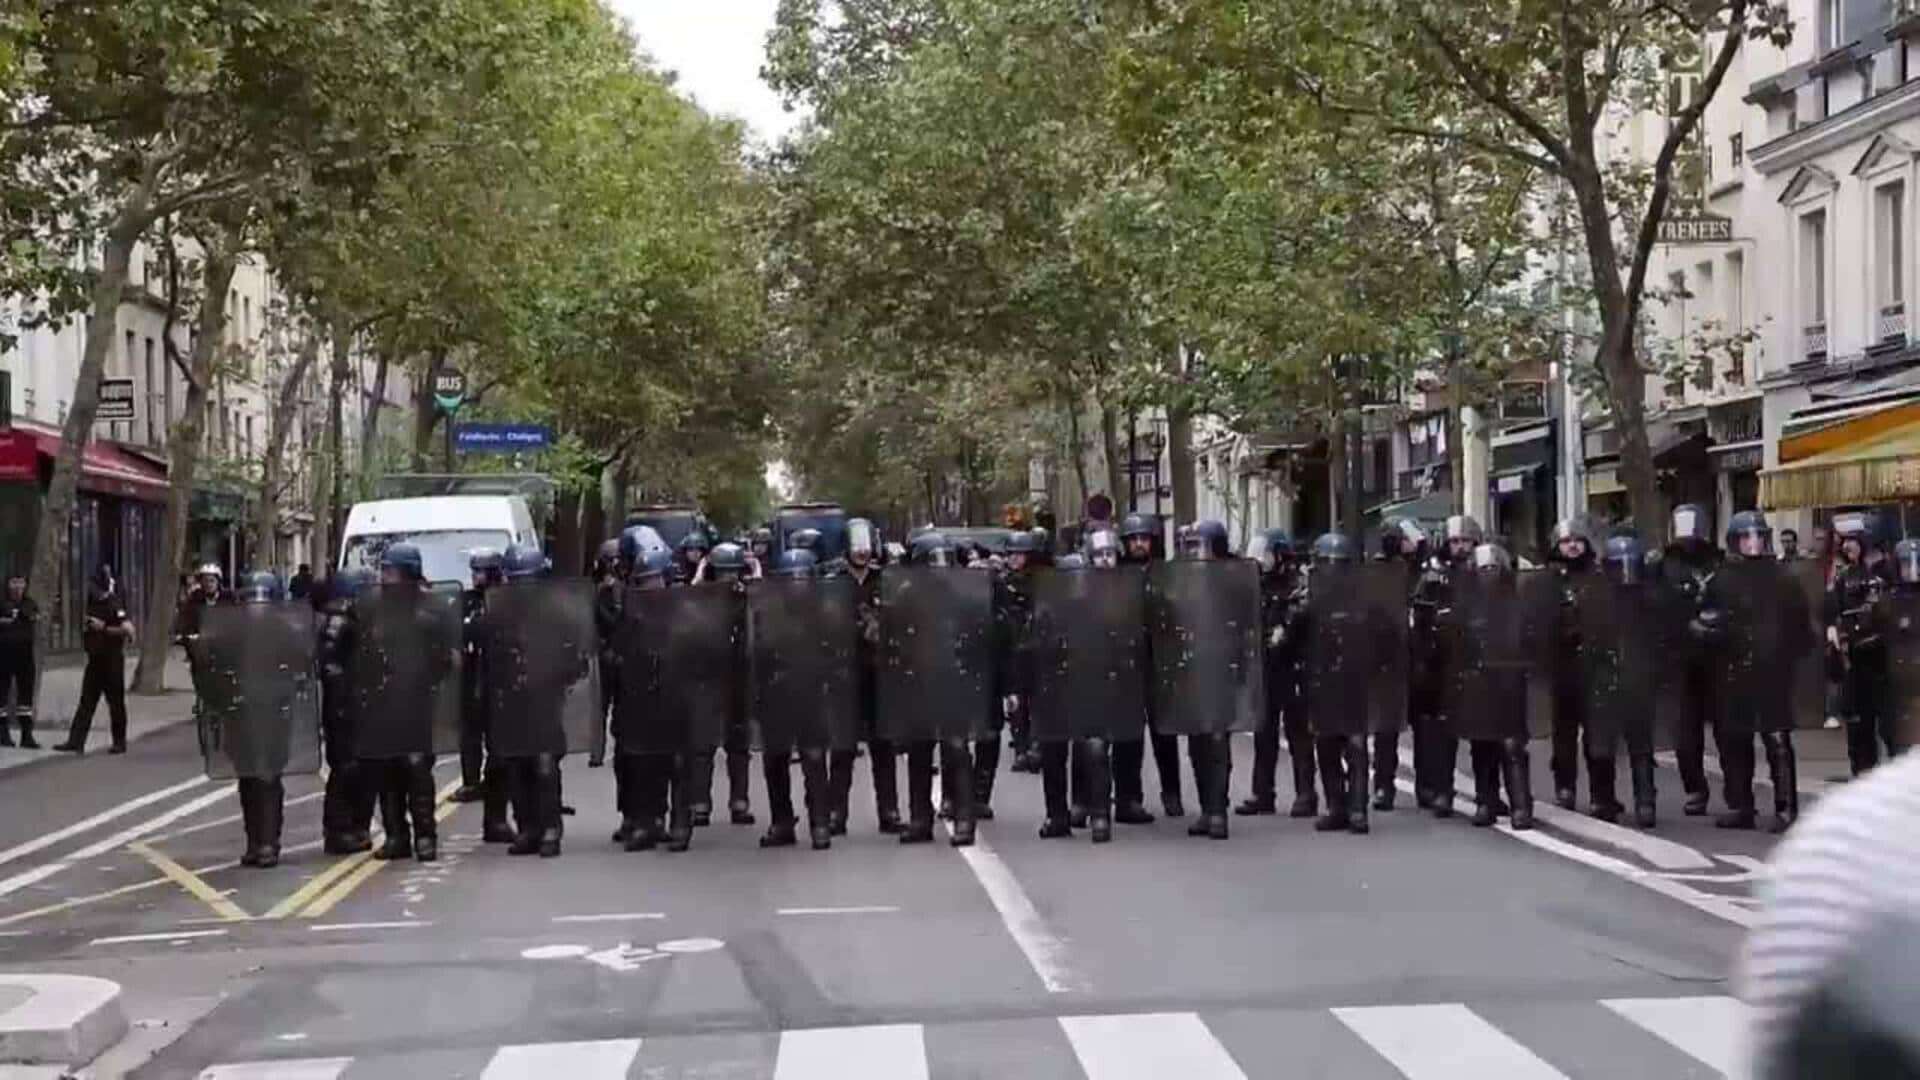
x: 1809, y: 579
x: 935, y: 661
x: 257, y: 692
x: 1356, y: 649
x: 680, y: 668
x: 802, y: 638
x: 539, y: 667
x: 1209, y: 667
x: 1489, y: 654
x: 1768, y: 632
x: 406, y: 671
x: 1900, y: 618
x: 1090, y: 656
x: 1623, y: 663
x: 1381, y: 589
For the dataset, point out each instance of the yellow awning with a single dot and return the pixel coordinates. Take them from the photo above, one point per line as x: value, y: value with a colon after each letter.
x: 1883, y: 467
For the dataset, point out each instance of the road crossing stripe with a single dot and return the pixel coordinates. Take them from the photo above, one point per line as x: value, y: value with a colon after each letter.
x: 304, y: 1069
x: 97, y: 820
x: 883, y: 1052
x: 1145, y: 1047
x: 1706, y: 1029
x: 123, y: 837
x: 1444, y: 1042
x: 545, y: 1061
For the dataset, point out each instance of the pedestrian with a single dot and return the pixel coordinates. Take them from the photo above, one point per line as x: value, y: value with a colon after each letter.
x: 1789, y: 545
x: 18, y: 617
x: 105, y: 640
x: 300, y: 586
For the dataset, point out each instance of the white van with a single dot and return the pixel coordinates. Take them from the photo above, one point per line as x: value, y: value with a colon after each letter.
x: 446, y: 529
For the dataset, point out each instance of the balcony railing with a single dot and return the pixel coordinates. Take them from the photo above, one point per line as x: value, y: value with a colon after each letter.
x: 1814, y: 339
x: 1891, y: 327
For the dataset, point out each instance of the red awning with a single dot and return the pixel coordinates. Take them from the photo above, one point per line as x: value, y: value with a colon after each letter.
x: 105, y: 469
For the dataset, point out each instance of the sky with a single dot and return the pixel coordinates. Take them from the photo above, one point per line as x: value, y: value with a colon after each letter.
x: 716, y: 47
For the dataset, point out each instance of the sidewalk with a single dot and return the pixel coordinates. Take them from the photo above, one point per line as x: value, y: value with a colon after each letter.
x: 58, y: 695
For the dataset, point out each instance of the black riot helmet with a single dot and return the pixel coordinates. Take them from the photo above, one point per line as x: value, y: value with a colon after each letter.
x: 1491, y: 559
x: 1272, y: 549
x: 1462, y: 535
x: 1022, y: 550
x: 804, y: 540
x: 401, y: 564
x: 863, y: 542
x: 727, y: 562
x: 607, y: 559
x: 1206, y: 539
x: 1749, y: 536
x: 1569, y: 531
x: 1906, y: 560
x: 525, y: 562
x: 1690, y: 526
x: 487, y: 565
x: 931, y: 549
x: 1334, y: 548
x: 797, y: 563
x: 1402, y: 538
x: 1042, y: 544
x: 694, y: 546
x: 652, y: 569
x: 345, y: 586
x: 760, y: 541
x: 1625, y: 559
x: 636, y: 541
x: 1137, y: 534
x: 1861, y: 526
x: 1103, y: 548
x: 261, y: 587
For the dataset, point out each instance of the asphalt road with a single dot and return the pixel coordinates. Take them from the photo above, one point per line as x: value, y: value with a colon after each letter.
x: 1428, y: 949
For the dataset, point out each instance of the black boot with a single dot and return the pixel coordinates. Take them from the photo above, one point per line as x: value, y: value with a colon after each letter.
x: 393, y: 815
x: 779, y: 834
x: 1333, y: 784
x: 1357, y: 784
x: 1486, y: 783
x: 1737, y: 766
x: 249, y: 821
x: 886, y: 786
x: 919, y: 795
x: 1097, y: 774
x: 1645, y: 801
x: 959, y: 757
x: 547, y: 779
x: 426, y: 831
x: 27, y: 741
x: 680, y: 803
x: 816, y: 773
x: 1386, y: 768
x: 739, y: 789
x: 1784, y: 771
x: 1603, y: 790
x: 700, y: 780
x: 493, y: 805
x: 272, y: 809
x: 1200, y: 761
x: 1517, y: 768
x: 986, y: 763
x: 1305, y: 805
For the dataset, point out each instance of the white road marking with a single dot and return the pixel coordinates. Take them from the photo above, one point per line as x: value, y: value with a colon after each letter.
x: 97, y: 820
x: 1706, y: 1029
x: 1722, y: 907
x: 302, y: 1069
x: 1660, y: 853
x: 691, y: 945
x: 1045, y: 950
x: 882, y: 1052
x: 876, y: 909
x: 1148, y: 1046
x: 612, y: 916
x: 400, y: 924
x: 125, y: 836
x: 603, y: 1060
x: 554, y: 952
x: 1444, y: 1042
x: 175, y: 935
x: 1710, y: 764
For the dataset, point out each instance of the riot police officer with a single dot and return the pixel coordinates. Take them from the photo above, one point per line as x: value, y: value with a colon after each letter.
x: 1337, y: 713
x: 1435, y: 749
x: 1139, y: 533
x: 956, y: 755
x: 405, y: 783
x: 609, y: 577
x: 488, y: 568
x: 653, y: 781
x: 532, y: 780
x: 1210, y: 755
x: 1856, y: 634
x: 726, y: 565
x: 863, y: 550
x: 1747, y: 708
x: 346, y: 808
x: 1573, y: 558
x: 760, y: 546
x: 1489, y: 705
x: 1687, y: 569
x: 1625, y: 562
x: 1283, y: 610
x: 777, y: 766
x: 1012, y: 611
x: 1401, y: 541
x: 692, y: 552
x: 262, y: 798
x: 1077, y: 773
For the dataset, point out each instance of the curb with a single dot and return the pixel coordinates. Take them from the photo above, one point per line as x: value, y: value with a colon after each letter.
x: 66, y: 1019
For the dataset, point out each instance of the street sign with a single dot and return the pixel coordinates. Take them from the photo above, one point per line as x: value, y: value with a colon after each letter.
x: 116, y: 400
x: 1696, y: 229
x: 449, y: 389
x: 501, y: 438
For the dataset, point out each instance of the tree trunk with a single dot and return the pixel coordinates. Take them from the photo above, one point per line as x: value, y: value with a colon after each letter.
x: 184, y: 444
x: 1456, y: 454
x: 593, y: 514
x: 1078, y: 448
x: 1116, y: 459
x: 426, y: 415
x: 566, y: 530
x: 1180, y: 453
x: 266, y: 526
x: 339, y: 372
x: 370, y: 415
x: 622, y: 477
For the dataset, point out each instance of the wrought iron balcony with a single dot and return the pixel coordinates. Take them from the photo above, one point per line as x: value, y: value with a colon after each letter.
x: 1815, y: 341
x: 1891, y: 327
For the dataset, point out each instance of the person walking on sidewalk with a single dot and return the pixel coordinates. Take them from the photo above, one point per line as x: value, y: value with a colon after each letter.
x: 105, y: 639
x: 17, y: 618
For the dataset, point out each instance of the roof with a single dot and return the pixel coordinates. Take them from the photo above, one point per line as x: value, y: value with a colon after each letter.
x: 433, y: 512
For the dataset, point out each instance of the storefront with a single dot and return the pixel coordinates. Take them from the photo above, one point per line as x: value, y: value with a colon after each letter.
x: 1520, y: 488
x: 1855, y: 461
x: 116, y: 520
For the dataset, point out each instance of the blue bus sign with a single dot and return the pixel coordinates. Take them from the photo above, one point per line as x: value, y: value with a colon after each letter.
x: 501, y: 438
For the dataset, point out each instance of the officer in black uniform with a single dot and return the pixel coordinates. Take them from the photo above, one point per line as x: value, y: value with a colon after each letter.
x: 1498, y: 751
x: 653, y: 781
x: 778, y: 767
x: 1856, y: 634
x: 262, y: 798
x: 609, y: 577
x: 1626, y: 566
x: 488, y: 568
x: 1139, y: 534
x: 405, y: 783
x: 691, y: 553
x: 1401, y: 541
x: 1341, y: 755
x: 1573, y: 559
x: 1435, y: 749
x: 933, y: 549
x: 1750, y: 539
x: 1460, y: 536
x: 727, y: 564
x: 1283, y: 609
x: 863, y: 550
x: 532, y: 781
x: 1210, y: 755
x: 1012, y: 614
x: 18, y: 615
x: 1687, y: 569
x: 760, y: 546
x: 346, y: 808
x: 105, y: 639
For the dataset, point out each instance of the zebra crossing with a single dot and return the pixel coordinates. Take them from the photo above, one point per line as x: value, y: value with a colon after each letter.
x: 1651, y: 1038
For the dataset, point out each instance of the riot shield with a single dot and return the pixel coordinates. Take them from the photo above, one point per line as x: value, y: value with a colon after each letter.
x: 406, y: 671
x: 935, y: 661
x: 1381, y: 590
x: 1809, y: 578
x: 1209, y: 666
x: 259, y: 699
x: 540, y: 667
x: 1090, y: 658
x: 1622, y: 663
x: 801, y: 655
x: 680, y: 668
x: 1900, y: 610
x: 1768, y: 633
x: 1484, y: 626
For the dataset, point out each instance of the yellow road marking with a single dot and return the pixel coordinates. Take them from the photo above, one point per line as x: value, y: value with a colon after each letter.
x: 367, y: 866
x: 191, y: 882
x: 315, y: 886
x: 82, y: 901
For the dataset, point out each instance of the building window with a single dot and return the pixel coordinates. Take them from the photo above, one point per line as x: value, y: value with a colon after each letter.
x: 1890, y: 261
x: 1737, y: 149
x: 1736, y: 310
x: 1813, y: 281
x: 1844, y: 22
x: 153, y: 397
